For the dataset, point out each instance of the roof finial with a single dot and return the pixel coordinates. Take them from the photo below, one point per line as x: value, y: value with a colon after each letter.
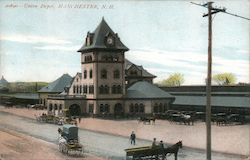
x: 103, y: 18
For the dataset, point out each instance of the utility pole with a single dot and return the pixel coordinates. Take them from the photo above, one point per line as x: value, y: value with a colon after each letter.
x: 208, y: 88
x: 211, y: 11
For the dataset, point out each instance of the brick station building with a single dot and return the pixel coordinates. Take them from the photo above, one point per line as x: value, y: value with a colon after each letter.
x: 109, y: 84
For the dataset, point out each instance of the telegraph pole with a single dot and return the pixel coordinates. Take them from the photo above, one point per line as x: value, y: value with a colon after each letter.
x: 208, y: 88
x: 211, y: 11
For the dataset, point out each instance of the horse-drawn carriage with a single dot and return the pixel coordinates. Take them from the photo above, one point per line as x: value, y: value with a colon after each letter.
x: 69, y: 141
x: 64, y: 118
x: 44, y: 118
x: 152, y: 152
x: 227, y: 119
x: 184, y: 117
x: 145, y: 120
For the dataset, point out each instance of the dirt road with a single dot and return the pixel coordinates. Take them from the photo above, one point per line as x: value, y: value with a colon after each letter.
x: 17, y: 146
x: 104, y: 145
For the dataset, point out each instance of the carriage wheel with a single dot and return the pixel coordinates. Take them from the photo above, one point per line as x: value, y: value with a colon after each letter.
x: 67, y: 150
x: 60, y: 148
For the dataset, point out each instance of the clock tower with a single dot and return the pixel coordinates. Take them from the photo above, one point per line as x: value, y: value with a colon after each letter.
x: 102, y: 65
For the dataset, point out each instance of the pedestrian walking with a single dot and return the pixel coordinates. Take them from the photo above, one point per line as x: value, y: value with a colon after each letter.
x: 161, y: 144
x: 154, y: 143
x: 132, y: 138
x: 79, y: 119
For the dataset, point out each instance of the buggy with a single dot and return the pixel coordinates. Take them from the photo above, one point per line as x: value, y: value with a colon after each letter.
x: 69, y: 141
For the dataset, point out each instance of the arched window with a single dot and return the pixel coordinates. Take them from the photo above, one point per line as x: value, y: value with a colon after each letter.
x: 114, y: 89
x: 77, y: 89
x: 116, y: 74
x: 106, y: 108
x: 74, y: 89
x: 104, y: 74
x: 85, y: 74
x: 141, y: 108
x: 101, y: 108
x: 131, y: 108
x: 85, y: 89
x: 55, y: 106
x: 80, y: 89
x: 90, y: 58
x: 160, y: 108
x: 50, y: 107
x: 90, y: 74
x: 106, y: 89
x: 91, y: 89
x: 60, y: 107
x: 119, y: 89
x: 156, y: 108
x: 136, y: 108
x: 101, y: 89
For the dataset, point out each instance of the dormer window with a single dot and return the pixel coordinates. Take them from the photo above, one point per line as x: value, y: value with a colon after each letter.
x: 133, y: 73
x: 89, y: 39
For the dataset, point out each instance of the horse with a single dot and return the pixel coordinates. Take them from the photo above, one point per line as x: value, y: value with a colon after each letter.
x: 146, y: 120
x: 173, y: 149
x: 187, y: 119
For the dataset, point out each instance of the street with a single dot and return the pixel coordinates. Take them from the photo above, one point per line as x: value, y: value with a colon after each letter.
x: 99, y: 144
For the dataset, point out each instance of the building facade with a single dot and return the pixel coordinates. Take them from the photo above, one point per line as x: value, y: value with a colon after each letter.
x: 109, y: 83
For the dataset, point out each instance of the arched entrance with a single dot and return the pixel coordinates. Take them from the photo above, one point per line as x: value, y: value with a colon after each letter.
x: 74, y: 110
x: 118, y: 110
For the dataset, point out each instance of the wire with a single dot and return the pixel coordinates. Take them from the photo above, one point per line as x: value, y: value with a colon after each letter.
x: 237, y: 16
x: 223, y: 11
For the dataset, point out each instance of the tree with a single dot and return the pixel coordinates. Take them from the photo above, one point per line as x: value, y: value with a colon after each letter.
x: 175, y: 79
x: 224, y: 79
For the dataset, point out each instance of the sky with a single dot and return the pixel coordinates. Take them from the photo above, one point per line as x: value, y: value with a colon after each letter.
x: 39, y: 39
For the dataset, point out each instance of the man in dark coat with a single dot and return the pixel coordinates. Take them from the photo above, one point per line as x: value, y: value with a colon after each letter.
x: 132, y: 138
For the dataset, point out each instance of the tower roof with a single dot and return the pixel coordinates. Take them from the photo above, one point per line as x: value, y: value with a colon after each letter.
x: 98, y: 39
x: 57, y: 85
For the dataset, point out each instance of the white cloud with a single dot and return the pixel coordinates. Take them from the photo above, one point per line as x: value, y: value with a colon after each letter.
x: 192, y: 65
x: 57, y: 47
x: 243, y: 51
x: 33, y: 39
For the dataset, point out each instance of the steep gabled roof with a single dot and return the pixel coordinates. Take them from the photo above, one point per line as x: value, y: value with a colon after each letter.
x: 99, y: 36
x: 144, y: 72
x: 143, y: 89
x: 57, y: 85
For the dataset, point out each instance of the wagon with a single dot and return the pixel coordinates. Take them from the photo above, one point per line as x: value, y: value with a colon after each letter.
x: 152, y: 153
x: 48, y: 119
x: 69, y: 141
